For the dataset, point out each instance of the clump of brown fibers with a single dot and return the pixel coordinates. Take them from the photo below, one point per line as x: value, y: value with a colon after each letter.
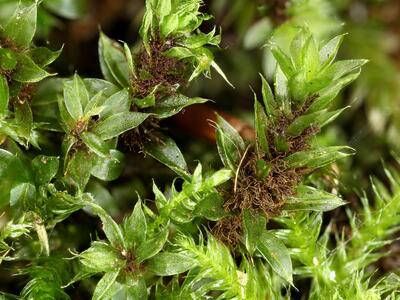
x: 266, y: 195
x: 155, y: 69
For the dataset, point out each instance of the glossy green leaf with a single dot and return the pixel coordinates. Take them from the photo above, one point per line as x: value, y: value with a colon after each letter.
x: 109, y: 168
x: 217, y: 68
x: 148, y: 101
x: 210, y: 207
x: 45, y: 167
x: 130, y: 60
x: 255, y: 225
x: 169, y: 24
x: 160, y: 199
x: 328, y: 52
x: 168, y: 153
x: 43, y: 56
x: 113, y: 62
x: 119, y: 123
x: 21, y: 27
x: 75, y: 96
x: 95, y: 144
x: 263, y: 169
x: 4, y: 96
x: 229, y: 143
x: 284, y: 61
x: 12, y: 172
x: 137, y: 290
x: 168, y: 263
x: 79, y: 168
x: 152, y: 246
x: 93, y: 107
x: 268, y: 97
x: 281, y: 90
x: 27, y: 71
x: 217, y: 178
x: 101, y: 257
x: 135, y: 227
x: 115, y: 104
x: 318, y: 158
x: 8, y: 59
x: 309, y: 198
x: 24, y: 118
x: 344, y: 67
x: 276, y: 254
x: 261, y: 125
x: 104, y: 288
x: 22, y: 198
x: 298, y: 87
x: 328, y: 94
x: 328, y: 116
x: 111, y: 229
x: 301, y: 123
x: 173, y: 104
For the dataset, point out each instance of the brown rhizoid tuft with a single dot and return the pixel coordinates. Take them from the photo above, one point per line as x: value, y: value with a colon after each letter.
x: 263, y: 195
x: 155, y: 69
x: 136, y: 138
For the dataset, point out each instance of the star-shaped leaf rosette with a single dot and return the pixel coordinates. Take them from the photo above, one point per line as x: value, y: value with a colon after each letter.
x: 21, y: 67
x: 270, y: 172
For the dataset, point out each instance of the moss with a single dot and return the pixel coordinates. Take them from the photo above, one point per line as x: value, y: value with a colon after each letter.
x: 155, y: 69
x: 134, y: 140
x: 266, y: 195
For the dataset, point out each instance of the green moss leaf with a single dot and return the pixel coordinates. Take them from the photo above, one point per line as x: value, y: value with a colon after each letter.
x: 95, y: 144
x: 276, y: 254
x: 79, y: 168
x: 113, y: 62
x: 173, y: 104
x: 21, y: 27
x: 168, y: 153
x: 254, y: 227
x: 261, y: 124
x: 105, y: 288
x: 119, y: 123
x: 230, y: 144
x: 27, y: 71
x: 109, y: 168
x: 4, y: 96
x: 22, y: 198
x: 152, y: 246
x: 111, y: 229
x: 210, y: 207
x: 8, y: 59
x: 100, y: 257
x: 309, y: 198
x: 45, y: 167
x: 76, y: 96
x: 167, y: 263
x: 318, y: 158
x: 115, y: 104
x: 43, y: 56
x: 135, y: 227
